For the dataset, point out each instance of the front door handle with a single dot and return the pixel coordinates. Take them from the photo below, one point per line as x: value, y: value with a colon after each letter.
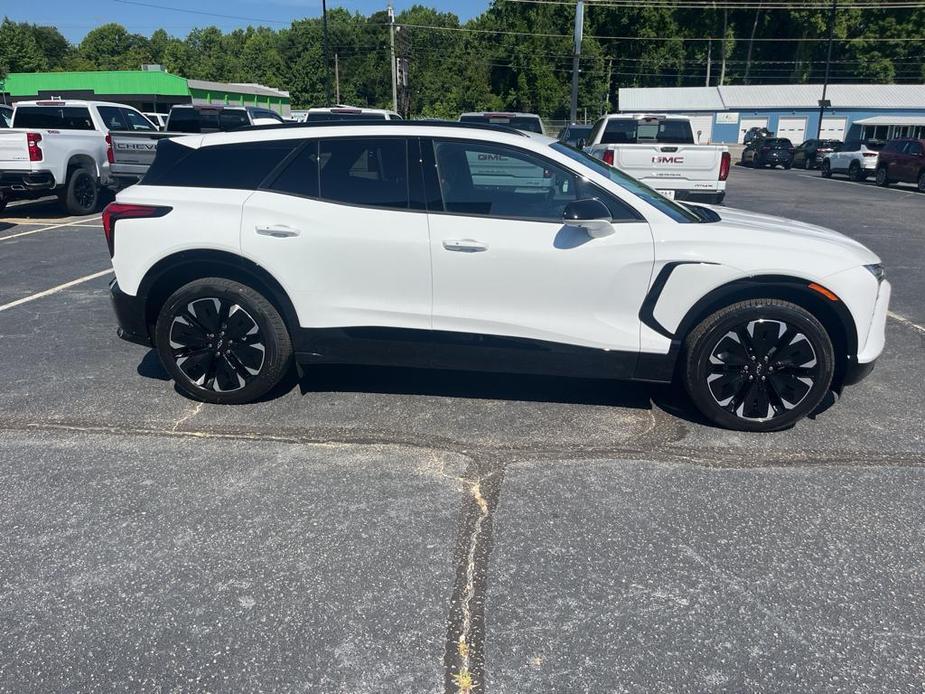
x: 465, y: 245
x: 278, y: 231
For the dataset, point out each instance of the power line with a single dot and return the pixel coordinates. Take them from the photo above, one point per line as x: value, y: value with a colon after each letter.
x: 734, y: 4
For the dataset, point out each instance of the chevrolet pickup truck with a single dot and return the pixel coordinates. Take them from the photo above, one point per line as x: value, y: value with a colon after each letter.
x: 659, y: 150
x: 62, y: 147
x: 133, y: 152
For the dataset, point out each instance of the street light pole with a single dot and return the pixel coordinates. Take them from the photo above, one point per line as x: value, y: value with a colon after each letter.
x: 392, y: 54
x: 579, y: 34
x: 327, y: 74
x: 823, y: 102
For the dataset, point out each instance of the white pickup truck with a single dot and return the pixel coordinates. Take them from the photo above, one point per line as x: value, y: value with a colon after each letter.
x: 660, y: 151
x: 62, y: 147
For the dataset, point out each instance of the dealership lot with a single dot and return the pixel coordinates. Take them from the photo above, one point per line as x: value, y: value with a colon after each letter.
x: 345, y: 535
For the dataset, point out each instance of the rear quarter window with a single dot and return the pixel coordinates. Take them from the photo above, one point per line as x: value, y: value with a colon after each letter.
x: 241, y: 166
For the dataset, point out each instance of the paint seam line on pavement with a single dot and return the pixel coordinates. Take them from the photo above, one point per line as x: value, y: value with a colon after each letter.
x: 36, y: 231
x: 55, y: 290
x: 906, y: 321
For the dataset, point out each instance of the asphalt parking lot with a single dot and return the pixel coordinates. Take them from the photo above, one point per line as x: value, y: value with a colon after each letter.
x: 384, y: 530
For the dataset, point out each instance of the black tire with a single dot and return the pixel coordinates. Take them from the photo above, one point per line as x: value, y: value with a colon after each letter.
x: 854, y: 172
x: 81, y: 194
x: 826, y: 169
x: 807, y: 164
x: 881, y: 179
x: 253, y: 352
x: 921, y: 183
x: 787, y: 166
x: 3, y: 202
x: 758, y: 365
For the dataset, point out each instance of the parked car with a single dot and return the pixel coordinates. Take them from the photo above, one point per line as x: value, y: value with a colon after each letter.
x: 158, y: 119
x: 340, y: 113
x: 810, y: 153
x: 756, y: 133
x: 6, y: 116
x: 575, y: 135
x: 857, y: 159
x: 62, y: 147
x: 133, y: 152
x: 902, y: 161
x: 659, y: 150
x: 768, y: 151
x: 230, y: 255
x: 528, y: 122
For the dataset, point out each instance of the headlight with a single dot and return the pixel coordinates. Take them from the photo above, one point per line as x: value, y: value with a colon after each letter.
x: 876, y: 271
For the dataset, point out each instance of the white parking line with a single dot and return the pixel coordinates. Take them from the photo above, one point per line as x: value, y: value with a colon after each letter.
x: 49, y: 228
x: 54, y: 290
x: 906, y: 321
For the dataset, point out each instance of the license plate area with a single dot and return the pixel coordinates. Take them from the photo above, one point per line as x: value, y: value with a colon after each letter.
x: 667, y: 193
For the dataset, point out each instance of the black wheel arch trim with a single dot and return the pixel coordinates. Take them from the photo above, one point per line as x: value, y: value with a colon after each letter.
x: 227, y: 264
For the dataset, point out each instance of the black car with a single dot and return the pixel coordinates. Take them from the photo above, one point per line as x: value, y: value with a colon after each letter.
x: 810, y: 153
x: 575, y: 135
x: 756, y: 133
x: 769, y: 151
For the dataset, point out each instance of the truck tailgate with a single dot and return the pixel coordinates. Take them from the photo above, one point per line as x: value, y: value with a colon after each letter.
x: 14, y: 152
x: 690, y: 163
x: 133, y: 152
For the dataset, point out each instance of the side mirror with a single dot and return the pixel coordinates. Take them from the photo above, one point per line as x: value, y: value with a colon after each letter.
x: 591, y: 215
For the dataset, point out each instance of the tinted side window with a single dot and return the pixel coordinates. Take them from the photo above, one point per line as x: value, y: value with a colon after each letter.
x: 915, y: 149
x: 61, y: 118
x: 136, y: 121
x: 300, y: 177
x: 498, y: 181
x: 183, y: 120
x: 113, y: 118
x: 619, y: 132
x: 322, y: 116
x: 242, y: 166
x: 231, y: 119
x: 365, y: 171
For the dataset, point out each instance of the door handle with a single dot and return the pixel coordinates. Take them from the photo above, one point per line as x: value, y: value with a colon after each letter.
x: 278, y: 231
x: 465, y: 245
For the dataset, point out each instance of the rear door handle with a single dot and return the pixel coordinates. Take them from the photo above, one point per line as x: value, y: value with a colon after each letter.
x: 465, y: 245
x: 278, y: 231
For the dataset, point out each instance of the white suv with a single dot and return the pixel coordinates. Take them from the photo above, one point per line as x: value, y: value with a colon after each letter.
x: 241, y: 252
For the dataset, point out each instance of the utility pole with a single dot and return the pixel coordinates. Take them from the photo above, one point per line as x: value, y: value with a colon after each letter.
x: 327, y: 73
x: 722, y: 65
x: 392, y: 53
x: 751, y: 42
x: 336, y: 80
x: 709, y: 61
x: 823, y: 102
x: 579, y: 34
x: 607, y: 103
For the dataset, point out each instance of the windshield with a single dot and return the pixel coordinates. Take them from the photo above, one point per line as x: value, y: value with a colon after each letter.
x: 529, y: 123
x: 630, y: 184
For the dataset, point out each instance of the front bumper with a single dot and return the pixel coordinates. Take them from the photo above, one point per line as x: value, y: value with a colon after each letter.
x: 130, y: 314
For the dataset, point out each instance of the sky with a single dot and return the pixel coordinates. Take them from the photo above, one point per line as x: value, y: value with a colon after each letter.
x: 75, y: 19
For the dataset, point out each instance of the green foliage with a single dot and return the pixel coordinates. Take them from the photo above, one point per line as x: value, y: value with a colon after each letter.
x: 514, y: 56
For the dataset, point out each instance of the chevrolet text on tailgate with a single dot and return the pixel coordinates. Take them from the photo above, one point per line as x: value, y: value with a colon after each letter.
x: 660, y: 150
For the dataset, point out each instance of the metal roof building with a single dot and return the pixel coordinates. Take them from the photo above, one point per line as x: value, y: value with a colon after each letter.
x: 152, y: 89
x: 724, y: 114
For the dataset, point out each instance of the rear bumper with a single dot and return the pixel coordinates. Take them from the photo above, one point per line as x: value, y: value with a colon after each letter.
x: 130, y: 314
x: 715, y: 198
x: 856, y: 372
x: 26, y: 180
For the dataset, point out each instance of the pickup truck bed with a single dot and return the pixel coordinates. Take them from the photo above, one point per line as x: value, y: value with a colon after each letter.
x: 132, y: 154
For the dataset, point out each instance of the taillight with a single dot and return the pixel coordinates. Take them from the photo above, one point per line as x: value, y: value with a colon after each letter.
x: 724, y: 164
x: 35, y: 151
x: 608, y: 157
x: 871, y: 154
x: 109, y: 155
x: 115, y: 211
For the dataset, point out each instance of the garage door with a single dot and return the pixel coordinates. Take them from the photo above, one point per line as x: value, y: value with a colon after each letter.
x: 747, y: 124
x: 794, y: 129
x: 704, y: 126
x: 833, y: 128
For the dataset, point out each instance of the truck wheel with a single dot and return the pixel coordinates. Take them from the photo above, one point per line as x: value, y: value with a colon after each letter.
x: 881, y: 179
x: 81, y: 193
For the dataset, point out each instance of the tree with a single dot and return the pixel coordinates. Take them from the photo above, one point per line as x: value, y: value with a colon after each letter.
x: 19, y: 51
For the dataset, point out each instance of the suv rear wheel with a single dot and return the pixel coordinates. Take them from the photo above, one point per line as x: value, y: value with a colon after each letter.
x: 854, y: 172
x: 921, y: 182
x: 222, y: 341
x: 882, y: 180
x: 758, y: 365
x: 826, y: 168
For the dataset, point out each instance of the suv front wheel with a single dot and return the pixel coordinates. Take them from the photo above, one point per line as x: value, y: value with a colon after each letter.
x: 222, y: 341
x: 758, y: 365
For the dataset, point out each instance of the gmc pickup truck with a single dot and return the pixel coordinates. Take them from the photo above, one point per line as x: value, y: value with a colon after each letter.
x: 659, y: 150
x: 62, y: 147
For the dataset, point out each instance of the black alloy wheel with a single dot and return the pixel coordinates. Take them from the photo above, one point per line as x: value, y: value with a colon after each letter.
x: 826, y: 169
x: 881, y: 178
x: 921, y: 182
x: 760, y: 365
x: 222, y: 341
x: 854, y: 172
x: 81, y: 193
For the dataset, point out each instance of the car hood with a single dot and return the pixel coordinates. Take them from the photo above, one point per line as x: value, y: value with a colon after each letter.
x: 777, y: 234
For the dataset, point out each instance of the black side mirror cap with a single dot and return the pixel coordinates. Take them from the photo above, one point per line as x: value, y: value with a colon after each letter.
x: 589, y: 209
